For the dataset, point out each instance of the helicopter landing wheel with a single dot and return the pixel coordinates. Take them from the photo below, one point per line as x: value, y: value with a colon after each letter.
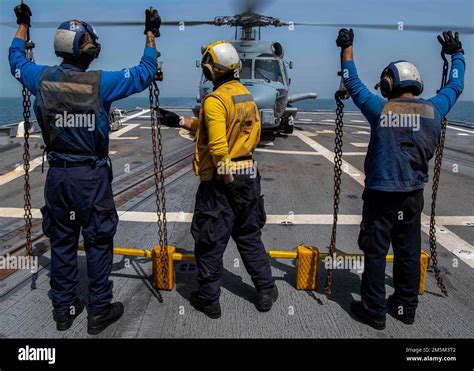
x: 288, y: 125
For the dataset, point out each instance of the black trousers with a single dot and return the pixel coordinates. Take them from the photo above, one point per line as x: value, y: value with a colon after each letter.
x: 215, y: 220
x: 391, y: 217
x: 80, y: 198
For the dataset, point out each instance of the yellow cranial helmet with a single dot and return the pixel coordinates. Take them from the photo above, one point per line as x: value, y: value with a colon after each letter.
x: 219, y: 59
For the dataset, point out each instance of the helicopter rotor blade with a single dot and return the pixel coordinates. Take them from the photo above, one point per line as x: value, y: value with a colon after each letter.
x: 115, y: 23
x: 394, y: 27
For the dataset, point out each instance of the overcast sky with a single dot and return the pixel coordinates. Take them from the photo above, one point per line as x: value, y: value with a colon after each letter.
x: 313, y: 50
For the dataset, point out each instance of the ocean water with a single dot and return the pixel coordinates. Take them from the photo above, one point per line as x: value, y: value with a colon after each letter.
x: 11, y: 109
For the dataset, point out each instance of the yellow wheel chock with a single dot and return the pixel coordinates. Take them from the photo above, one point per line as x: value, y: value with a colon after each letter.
x: 307, y: 264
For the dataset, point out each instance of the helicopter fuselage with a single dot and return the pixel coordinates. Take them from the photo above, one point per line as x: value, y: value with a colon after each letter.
x: 265, y: 74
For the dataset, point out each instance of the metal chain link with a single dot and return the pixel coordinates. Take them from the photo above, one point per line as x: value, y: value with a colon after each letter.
x: 26, y: 167
x: 434, y: 193
x: 158, y: 169
x: 26, y: 154
x: 337, y: 182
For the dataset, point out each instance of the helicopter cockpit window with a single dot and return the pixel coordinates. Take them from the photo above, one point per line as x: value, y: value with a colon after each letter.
x: 246, y: 71
x: 268, y: 69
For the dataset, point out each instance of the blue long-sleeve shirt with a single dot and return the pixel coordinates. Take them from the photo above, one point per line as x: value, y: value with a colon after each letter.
x: 113, y: 86
x: 390, y: 164
x: 371, y: 105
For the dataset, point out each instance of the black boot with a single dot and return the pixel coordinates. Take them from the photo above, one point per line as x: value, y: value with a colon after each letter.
x: 96, y: 324
x: 407, y: 317
x: 361, y: 313
x: 211, y: 310
x: 266, y: 299
x: 64, y: 321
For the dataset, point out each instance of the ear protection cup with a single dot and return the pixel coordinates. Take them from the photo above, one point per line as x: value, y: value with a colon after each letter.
x: 422, y: 88
x: 90, y: 47
x: 386, y: 84
x: 207, y: 67
x: 208, y: 71
x: 220, y: 59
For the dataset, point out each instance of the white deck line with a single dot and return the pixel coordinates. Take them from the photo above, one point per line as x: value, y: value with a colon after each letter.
x: 328, y: 113
x: 183, y: 217
x: 325, y: 131
x: 19, y: 172
x: 331, y: 121
x: 141, y: 113
x: 360, y: 145
x: 149, y: 127
x: 354, y: 153
x: 284, y: 152
x: 445, y: 237
x: 333, y: 124
x: 118, y: 134
x: 460, y: 129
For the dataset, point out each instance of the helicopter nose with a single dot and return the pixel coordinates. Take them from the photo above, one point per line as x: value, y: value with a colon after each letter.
x: 263, y: 95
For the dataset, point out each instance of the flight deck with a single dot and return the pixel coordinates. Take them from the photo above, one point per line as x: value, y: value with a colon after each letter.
x: 297, y: 182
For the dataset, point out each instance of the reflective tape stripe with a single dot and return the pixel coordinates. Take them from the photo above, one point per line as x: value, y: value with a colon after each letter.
x: 409, y: 108
x: 66, y: 87
x: 242, y: 98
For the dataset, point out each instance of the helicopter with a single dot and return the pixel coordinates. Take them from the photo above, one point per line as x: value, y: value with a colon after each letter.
x: 264, y: 69
x: 265, y: 72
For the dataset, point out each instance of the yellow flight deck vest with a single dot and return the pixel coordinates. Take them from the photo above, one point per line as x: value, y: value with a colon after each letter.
x: 243, y: 129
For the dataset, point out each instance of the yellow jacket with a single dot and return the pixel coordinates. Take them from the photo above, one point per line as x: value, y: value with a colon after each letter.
x: 228, y: 128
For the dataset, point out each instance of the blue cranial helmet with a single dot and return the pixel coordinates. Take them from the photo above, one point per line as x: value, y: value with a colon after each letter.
x: 67, y: 41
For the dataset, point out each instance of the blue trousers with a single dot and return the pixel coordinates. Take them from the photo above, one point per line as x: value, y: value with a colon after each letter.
x: 215, y: 221
x: 80, y: 198
x: 391, y: 217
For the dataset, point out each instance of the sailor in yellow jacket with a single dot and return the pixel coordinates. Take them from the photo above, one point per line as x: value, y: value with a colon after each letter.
x: 229, y: 201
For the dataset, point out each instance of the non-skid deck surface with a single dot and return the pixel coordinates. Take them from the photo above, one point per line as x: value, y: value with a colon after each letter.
x: 297, y: 180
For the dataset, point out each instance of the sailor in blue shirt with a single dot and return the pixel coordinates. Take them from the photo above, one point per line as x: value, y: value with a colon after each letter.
x: 405, y: 131
x: 72, y: 106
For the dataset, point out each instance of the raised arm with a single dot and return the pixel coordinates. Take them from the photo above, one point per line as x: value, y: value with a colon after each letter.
x: 116, y: 85
x: 447, y: 96
x: 371, y: 105
x: 25, y: 71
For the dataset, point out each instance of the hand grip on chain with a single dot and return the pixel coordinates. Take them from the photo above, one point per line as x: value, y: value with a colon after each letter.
x: 342, y: 93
